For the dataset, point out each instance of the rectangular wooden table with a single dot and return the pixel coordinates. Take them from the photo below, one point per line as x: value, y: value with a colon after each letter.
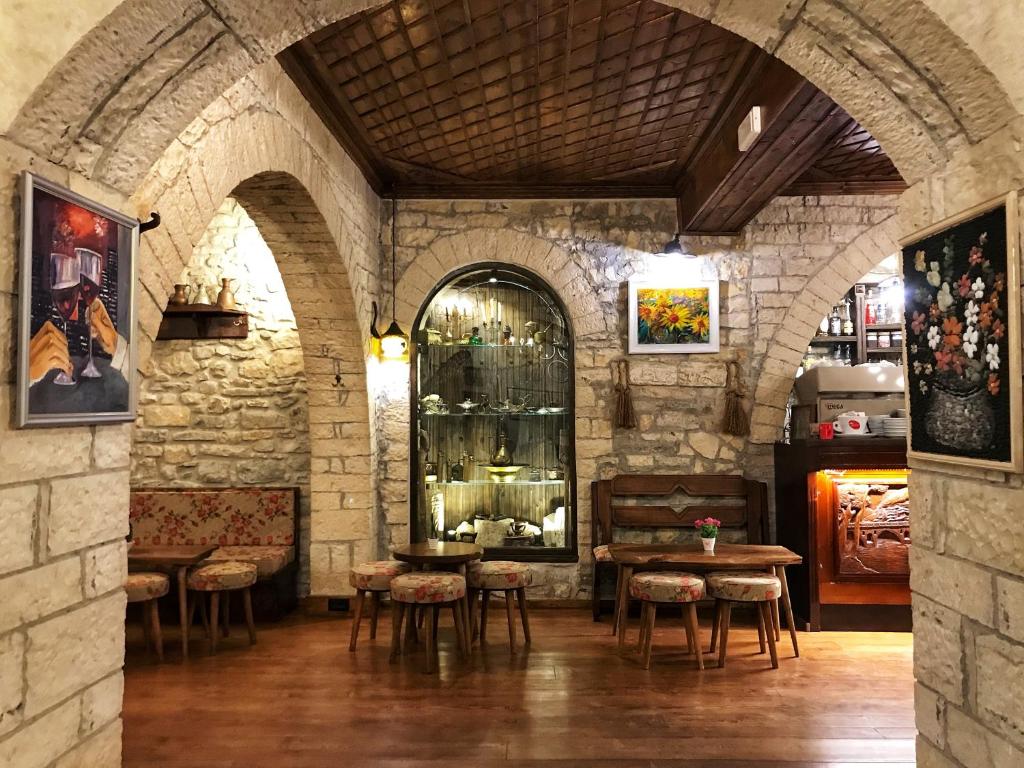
x: 692, y: 557
x: 142, y: 558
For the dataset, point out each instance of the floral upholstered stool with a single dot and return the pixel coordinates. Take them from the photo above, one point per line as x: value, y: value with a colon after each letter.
x: 672, y: 587
x: 728, y: 587
x: 147, y: 588
x: 499, y: 576
x: 215, y: 578
x: 431, y: 590
x: 374, y: 578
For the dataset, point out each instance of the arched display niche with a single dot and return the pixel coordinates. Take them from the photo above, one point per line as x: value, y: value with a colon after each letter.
x: 503, y: 394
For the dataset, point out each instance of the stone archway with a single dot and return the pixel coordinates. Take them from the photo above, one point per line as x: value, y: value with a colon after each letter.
x: 564, y: 274
x: 550, y: 261
x: 285, y: 184
x: 900, y: 71
x: 789, y: 344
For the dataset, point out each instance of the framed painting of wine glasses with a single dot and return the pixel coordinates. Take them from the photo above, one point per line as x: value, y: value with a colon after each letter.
x: 76, y: 336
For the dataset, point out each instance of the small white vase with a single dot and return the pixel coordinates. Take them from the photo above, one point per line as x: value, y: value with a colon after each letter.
x: 709, y: 544
x: 432, y: 543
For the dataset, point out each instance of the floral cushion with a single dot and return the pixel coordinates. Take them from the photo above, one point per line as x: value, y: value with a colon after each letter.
x: 146, y: 586
x: 268, y: 559
x: 498, y: 574
x: 428, y: 587
x: 743, y: 586
x: 667, y: 587
x: 377, y: 576
x: 224, y: 516
x: 602, y: 554
x: 226, y: 575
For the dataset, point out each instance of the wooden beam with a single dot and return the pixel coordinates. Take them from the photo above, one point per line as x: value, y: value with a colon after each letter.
x: 302, y: 64
x: 721, y: 188
x: 408, y: 190
x: 840, y: 187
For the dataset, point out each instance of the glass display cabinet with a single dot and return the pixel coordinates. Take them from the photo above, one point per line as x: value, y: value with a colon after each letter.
x: 492, y: 417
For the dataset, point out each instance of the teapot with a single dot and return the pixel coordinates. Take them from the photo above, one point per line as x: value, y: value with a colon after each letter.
x: 508, y: 405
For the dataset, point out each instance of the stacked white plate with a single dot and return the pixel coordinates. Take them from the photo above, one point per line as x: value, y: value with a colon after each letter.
x: 894, y: 427
x: 876, y: 424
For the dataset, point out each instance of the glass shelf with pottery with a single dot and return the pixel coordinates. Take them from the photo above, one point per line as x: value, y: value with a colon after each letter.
x: 495, y: 343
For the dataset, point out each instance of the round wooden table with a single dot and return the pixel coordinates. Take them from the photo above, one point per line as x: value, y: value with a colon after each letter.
x: 446, y: 555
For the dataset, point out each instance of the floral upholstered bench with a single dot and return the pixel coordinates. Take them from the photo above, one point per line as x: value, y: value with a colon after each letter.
x: 251, y: 525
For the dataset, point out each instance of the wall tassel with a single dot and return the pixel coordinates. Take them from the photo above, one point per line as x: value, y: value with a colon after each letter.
x: 736, y: 421
x: 625, y: 416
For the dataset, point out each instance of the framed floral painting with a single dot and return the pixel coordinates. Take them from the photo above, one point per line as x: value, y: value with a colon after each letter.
x: 673, y: 318
x: 963, y: 338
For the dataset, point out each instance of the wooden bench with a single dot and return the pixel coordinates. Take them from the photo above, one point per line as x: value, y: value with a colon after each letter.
x: 252, y: 525
x: 641, y: 502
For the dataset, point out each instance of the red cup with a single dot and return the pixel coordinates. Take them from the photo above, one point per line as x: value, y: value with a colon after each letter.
x: 825, y: 431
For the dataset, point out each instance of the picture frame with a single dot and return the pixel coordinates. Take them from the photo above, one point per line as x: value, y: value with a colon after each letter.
x: 77, y: 316
x: 962, y: 338
x: 672, y: 316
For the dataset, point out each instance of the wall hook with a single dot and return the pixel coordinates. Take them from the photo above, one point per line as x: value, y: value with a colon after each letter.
x: 153, y: 223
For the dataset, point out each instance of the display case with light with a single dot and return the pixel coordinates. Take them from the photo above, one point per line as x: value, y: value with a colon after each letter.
x: 493, y: 457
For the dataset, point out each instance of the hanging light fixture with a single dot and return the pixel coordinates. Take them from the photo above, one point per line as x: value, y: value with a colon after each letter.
x: 673, y: 246
x: 394, y: 344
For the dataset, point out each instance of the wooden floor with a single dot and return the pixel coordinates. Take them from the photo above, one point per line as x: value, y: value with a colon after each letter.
x: 299, y: 699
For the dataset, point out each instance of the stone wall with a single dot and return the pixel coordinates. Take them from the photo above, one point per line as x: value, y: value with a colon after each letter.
x: 230, y: 412
x: 587, y: 251
x: 967, y: 571
x: 64, y: 491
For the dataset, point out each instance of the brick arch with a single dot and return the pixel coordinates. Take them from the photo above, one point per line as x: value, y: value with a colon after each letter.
x: 789, y: 344
x: 285, y: 187
x: 549, y: 261
x: 898, y: 68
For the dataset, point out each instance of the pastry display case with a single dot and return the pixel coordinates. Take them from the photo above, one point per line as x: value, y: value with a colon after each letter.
x: 492, y: 417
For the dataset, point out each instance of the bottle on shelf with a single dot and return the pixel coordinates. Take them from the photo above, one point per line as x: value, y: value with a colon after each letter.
x: 457, y: 471
x: 847, y: 320
x: 835, y: 323
x: 823, y: 326
x: 847, y: 354
x: 869, y: 308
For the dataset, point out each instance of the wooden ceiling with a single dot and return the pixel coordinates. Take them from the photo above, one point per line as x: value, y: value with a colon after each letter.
x: 571, y: 98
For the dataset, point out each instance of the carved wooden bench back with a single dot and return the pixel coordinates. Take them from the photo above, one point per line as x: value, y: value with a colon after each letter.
x: 642, y: 501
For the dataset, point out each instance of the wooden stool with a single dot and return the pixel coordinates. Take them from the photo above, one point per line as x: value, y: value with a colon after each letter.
x: 374, y: 578
x: 432, y: 590
x: 146, y: 588
x: 676, y: 588
x: 216, y: 578
x: 730, y: 587
x: 499, y: 576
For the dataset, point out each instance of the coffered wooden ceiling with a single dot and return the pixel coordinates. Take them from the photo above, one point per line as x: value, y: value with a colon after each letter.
x: 576, y: 98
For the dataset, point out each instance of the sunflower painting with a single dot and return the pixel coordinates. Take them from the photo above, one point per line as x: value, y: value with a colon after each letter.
x: 673, y: 320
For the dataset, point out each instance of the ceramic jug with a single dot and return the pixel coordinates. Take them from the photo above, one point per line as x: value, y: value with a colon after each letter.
x: 226, y: 297
x: 181, y: 295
